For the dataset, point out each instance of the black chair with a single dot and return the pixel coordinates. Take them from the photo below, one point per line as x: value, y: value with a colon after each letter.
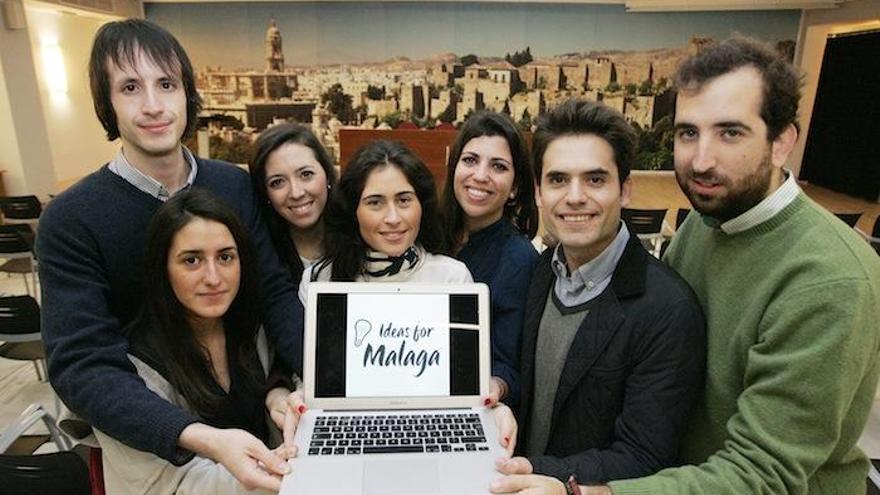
x: 680, y: 216
x: 874, y: 238
x: 850, y: 219
x: 63, y: 472
x: 16, y: 246
x: 20, y: 332
x: 648, y: 225
x: 20, y: 209
x: 58, y: 473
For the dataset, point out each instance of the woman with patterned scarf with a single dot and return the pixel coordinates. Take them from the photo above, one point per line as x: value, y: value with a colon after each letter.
x: 383, y: 223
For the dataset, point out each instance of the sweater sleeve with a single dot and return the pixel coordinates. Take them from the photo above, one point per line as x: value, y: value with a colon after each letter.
x: 813, y: 353
x: 282, y: 310
x: 86, y: 353
x: 659, y: 394
x: 509, y: 289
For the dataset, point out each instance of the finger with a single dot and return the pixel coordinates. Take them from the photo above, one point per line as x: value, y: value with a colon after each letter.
x: 515, y: 465
x: 296, y: 401
x: 288, y: 429
x: 285, y: 452
x: 278, y: 417
x: 511, y: 444
x: 491, y: 400
x: 517, y: 483
x: 271, y: 462
x: 259, y: 478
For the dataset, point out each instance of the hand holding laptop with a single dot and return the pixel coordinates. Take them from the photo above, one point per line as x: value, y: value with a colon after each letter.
x: 506, y: 424
x: 285, y: 408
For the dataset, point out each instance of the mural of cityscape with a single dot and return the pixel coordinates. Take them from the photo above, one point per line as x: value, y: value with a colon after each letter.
x: 379, y: 65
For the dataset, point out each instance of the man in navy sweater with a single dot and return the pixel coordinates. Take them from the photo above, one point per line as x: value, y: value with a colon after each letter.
x: 91, y: 245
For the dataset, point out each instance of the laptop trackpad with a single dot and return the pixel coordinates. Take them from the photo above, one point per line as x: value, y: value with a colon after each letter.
x: 400, y: 476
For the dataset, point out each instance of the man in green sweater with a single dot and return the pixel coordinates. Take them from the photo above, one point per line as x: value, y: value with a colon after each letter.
x: 791, y: 295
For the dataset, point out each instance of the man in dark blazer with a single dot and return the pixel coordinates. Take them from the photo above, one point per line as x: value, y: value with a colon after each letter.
x: 614, y: 341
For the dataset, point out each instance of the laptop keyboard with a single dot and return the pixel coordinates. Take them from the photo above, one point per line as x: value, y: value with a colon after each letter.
x: 398, y: 434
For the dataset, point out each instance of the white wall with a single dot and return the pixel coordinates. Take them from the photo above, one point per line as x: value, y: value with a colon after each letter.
x: 816, y: 25
x: 31, y: 172
x: 78, y: 143
x: 10, y: 159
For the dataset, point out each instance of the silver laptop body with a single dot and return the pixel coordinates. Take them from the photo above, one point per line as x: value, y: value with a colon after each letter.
x: 394, y: 375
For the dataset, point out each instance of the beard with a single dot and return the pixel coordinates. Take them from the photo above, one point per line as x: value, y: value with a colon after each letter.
x: 741, y: 196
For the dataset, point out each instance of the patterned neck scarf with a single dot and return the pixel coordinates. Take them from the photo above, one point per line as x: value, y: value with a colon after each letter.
x: 381, y: 265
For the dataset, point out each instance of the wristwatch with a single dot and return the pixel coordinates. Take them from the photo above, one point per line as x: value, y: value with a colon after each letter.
x: 571, y: 486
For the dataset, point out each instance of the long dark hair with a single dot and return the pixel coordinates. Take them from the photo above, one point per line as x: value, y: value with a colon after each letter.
x: 162, y: 326
x: 343, y: 245
x: 270, y: 140
x: 520, y: 210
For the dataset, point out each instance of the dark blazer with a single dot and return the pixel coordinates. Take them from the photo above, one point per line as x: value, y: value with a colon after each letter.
x: 631, y: 377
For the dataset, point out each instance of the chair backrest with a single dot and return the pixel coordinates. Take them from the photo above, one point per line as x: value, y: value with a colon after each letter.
x: 12, y: 240
x: 20, y: 207
x: 850, y: 219
x: 59, y: 473
x: 19, y: 315
x: 680, y: 216
x: 876, y: 231
x: 643, y: 221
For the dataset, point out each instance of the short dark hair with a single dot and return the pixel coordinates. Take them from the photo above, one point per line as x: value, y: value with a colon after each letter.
x: 575, y: 116
x: 270, y: 140
x: 119, y: 43
x: 520, y: 210
x: 162, y: 324
x: 343, y: 245
x: 782, y: 82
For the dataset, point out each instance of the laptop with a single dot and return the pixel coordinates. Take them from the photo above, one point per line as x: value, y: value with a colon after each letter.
x: 394, y: 375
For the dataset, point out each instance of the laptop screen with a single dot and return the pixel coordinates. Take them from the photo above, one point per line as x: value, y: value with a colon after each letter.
x: 385, y: 344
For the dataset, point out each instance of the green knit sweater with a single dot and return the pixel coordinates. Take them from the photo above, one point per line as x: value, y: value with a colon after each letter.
x: 793, y: 315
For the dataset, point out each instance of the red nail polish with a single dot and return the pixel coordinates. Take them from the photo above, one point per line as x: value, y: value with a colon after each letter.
x: 301, y: 409
x: 486, y: 402
x: 506, y: 440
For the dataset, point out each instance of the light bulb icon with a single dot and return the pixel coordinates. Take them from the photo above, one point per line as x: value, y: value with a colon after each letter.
x: 361, y: 329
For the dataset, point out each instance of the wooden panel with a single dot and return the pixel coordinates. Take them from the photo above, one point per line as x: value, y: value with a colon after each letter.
x: 432, y: 146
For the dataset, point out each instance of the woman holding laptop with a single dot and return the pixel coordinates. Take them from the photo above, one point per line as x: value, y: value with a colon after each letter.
x: 196, y: 343
x: 382, y: 225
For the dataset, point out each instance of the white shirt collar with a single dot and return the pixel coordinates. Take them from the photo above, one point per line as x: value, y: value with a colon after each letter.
x: 121, y: 167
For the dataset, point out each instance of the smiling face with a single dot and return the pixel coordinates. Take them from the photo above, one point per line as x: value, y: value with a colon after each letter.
x: 204, y: 269
x: 483, y: 180
x: 389, y: 213
x: 723, y: 161
x: 580, y: 195
x: 296, y: 185
x: 150, y: 108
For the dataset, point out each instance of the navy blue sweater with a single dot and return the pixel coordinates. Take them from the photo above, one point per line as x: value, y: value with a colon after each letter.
x: 503, y: 259
x: 90, y: 249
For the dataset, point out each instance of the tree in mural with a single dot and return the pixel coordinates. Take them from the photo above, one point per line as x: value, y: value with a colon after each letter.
x: 339, y: 104
x: 518, y: 59
x: 238, y: 150
x: 654, y: 150
x: 375, y: 92
x: 393, y: 119
x: 448, y: 115
x: 525, y: 122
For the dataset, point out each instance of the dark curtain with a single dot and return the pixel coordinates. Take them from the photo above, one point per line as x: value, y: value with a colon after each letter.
x: 843, y: 146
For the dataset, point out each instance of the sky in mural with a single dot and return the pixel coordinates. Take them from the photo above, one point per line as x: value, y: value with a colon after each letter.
x: 232, y: 34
